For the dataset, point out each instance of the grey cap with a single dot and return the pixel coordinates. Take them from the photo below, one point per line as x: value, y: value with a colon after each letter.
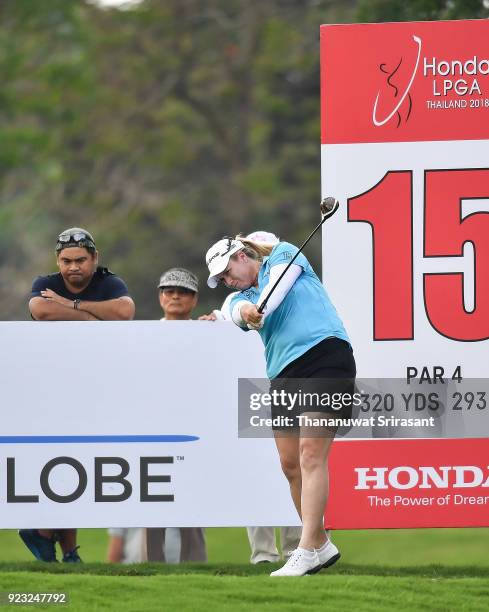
x: 179, y: 277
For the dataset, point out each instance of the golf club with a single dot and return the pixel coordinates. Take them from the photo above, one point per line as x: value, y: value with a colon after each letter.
x: 328, y: 206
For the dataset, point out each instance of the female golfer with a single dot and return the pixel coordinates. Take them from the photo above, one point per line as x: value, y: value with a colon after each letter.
x: 304, y: 338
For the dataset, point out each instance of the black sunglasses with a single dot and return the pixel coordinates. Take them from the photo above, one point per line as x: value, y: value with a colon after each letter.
x: 81, y: 239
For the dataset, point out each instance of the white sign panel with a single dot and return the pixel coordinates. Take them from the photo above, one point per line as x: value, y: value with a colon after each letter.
x: 126, y: 424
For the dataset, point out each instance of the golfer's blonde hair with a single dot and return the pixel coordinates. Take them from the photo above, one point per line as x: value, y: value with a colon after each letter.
x: 255, y: 250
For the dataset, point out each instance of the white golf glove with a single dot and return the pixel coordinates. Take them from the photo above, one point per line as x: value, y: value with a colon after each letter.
x: 256, y: 327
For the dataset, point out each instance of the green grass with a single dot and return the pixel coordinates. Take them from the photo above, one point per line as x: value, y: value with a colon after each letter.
x: 430, y: 569
x: 254, y: 590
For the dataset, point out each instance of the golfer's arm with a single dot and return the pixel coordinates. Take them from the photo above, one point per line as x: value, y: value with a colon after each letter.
x: 236, y: 314
x: 284, y: 286
x: 120, y: 309
x: 47, y: 310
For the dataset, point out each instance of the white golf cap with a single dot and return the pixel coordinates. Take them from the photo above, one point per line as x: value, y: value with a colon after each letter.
x: 265, y: 237
x: 217, y: 258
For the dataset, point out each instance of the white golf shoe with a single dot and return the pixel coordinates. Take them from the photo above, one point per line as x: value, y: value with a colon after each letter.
x: 300, y: 563
x: 328, y: 554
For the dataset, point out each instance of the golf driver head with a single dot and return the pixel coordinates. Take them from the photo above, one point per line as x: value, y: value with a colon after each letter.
x: 329, y: 206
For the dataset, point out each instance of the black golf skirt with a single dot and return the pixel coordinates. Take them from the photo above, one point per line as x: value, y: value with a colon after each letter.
x: 319, y: 382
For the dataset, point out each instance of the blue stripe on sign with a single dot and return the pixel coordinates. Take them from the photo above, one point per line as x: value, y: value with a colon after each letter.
x: 88, y: 439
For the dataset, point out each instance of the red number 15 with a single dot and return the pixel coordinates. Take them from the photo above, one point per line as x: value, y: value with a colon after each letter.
x: 388, y: 209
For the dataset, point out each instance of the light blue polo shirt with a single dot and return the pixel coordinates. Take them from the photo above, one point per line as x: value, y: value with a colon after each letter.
x: 304, y: 318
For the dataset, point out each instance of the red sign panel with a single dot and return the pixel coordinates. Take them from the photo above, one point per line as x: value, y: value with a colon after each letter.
x: 409, y: 483
x: 403, y: 82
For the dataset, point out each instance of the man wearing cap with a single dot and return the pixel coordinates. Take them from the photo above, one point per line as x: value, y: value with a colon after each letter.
x: 178, y: 295
x: 80, y: 291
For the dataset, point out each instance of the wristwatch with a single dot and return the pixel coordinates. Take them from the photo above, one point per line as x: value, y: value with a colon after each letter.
x: 76, y: 303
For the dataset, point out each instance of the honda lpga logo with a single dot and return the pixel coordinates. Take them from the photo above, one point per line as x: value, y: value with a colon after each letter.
x: 423, y: 477
x: 402, y: 99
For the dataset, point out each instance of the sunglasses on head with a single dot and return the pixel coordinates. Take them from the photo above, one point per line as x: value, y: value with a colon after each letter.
x: 81, y: 239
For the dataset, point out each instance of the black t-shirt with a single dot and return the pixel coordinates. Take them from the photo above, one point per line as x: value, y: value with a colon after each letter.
x: 104, y: 286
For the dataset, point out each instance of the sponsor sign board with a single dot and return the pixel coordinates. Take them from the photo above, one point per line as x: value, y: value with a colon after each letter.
x: 405, y: 149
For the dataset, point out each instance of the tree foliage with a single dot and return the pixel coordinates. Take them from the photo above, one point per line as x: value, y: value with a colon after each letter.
x: 162, y: 128
x: 421, y: 10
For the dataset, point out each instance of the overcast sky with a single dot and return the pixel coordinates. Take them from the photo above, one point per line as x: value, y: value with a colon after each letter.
x: 121, y: 3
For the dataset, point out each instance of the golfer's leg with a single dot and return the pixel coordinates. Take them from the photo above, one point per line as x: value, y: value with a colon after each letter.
x: 315, y: 488
x: 288, y: 450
